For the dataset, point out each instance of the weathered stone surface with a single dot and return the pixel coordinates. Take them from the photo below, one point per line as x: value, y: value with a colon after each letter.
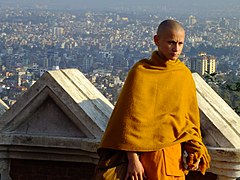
x: 221, y: 131
x: 62, y: 118
x: 61, y: 103
x: 225, y: 162
x: 220, y: 124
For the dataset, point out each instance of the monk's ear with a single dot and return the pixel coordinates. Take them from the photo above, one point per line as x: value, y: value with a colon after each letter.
x: 156, y: 40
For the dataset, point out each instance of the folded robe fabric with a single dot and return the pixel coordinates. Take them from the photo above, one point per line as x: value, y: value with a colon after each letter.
x: 157, y: 108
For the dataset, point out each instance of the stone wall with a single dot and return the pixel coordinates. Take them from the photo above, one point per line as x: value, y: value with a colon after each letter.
x: 50, y: 170
x: 199, y: 176
x: 56, y: 170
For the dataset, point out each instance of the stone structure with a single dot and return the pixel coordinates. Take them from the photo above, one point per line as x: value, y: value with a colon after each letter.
x: 53, y: 130
x: 221, y: 131
x: 57, y: 123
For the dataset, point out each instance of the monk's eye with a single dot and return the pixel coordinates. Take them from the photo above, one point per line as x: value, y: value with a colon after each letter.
x: 171, y: 42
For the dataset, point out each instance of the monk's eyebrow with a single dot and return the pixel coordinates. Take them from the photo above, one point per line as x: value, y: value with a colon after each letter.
x: 174, y: 42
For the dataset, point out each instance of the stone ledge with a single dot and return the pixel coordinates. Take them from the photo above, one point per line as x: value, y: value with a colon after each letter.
x: 225, y: 162
x: 226, y: 172
x: 85, y: 144
x: 13, y: 146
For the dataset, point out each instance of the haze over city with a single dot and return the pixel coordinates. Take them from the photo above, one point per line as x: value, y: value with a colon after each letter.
x: 81, y: 4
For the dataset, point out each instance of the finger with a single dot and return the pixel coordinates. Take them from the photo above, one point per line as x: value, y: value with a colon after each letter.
x: 140, y: 176
x: 194, y: 168
x: 197, y: 164
x: 135, y: 177
x: 198, y: 161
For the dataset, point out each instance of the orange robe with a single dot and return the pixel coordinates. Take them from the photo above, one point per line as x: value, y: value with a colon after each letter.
x: 164, y: 164
x: 157, y: 108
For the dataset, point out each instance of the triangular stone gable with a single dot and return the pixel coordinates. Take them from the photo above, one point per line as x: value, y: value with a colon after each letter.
x: 49, y: 120
x: 61, y: 103
x: 220, y: 124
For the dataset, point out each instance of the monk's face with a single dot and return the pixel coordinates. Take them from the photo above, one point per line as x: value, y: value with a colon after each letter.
x: 170, y: 44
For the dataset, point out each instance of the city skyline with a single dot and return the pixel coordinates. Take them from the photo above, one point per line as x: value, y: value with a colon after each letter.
x: 82, y: 4
x: 106, y: 44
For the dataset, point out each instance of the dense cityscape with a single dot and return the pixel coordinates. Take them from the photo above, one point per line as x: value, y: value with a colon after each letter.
x: 105, y: 44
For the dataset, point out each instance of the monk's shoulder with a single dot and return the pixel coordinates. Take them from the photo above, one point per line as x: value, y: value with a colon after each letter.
x: 185, y: 69
x: 141, y: 62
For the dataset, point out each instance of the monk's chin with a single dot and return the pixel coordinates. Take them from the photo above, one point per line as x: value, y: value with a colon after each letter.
x: 173, y: 58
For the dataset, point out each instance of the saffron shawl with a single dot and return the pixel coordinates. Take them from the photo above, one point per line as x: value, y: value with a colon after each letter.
x: 157, y: 107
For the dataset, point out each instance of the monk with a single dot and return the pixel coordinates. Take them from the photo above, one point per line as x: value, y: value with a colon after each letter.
x: 154, y: 130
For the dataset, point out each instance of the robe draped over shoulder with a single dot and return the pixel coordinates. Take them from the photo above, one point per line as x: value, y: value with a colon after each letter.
x: 157, y: 108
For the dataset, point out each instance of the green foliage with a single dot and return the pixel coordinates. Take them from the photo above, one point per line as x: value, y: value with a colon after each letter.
x: 228, y: 87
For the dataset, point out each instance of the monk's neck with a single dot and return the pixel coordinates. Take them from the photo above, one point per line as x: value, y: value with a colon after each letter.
x: 158, y: 60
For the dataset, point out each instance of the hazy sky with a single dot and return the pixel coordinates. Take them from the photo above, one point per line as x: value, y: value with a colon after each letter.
x: 79, y: 4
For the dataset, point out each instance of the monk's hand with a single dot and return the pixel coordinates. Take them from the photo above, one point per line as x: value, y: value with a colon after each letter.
x: 135, y: 170
x: 193, y: 162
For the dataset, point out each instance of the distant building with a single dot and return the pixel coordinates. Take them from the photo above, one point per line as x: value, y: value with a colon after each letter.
x: 58, y: 31
x: 87, y: 63
x: 55, y: 68
x: 42, y: 71
x: 21, y: 74
x: 234, y: 23
x: 10, y: 50
x: 202, y: 64
x: 35, y: 67
x: 211, y: 65
x: 192, y: 20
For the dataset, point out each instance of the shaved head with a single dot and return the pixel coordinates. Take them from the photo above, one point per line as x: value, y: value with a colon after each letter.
x: 169, y: 25
x: 169, y: 39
